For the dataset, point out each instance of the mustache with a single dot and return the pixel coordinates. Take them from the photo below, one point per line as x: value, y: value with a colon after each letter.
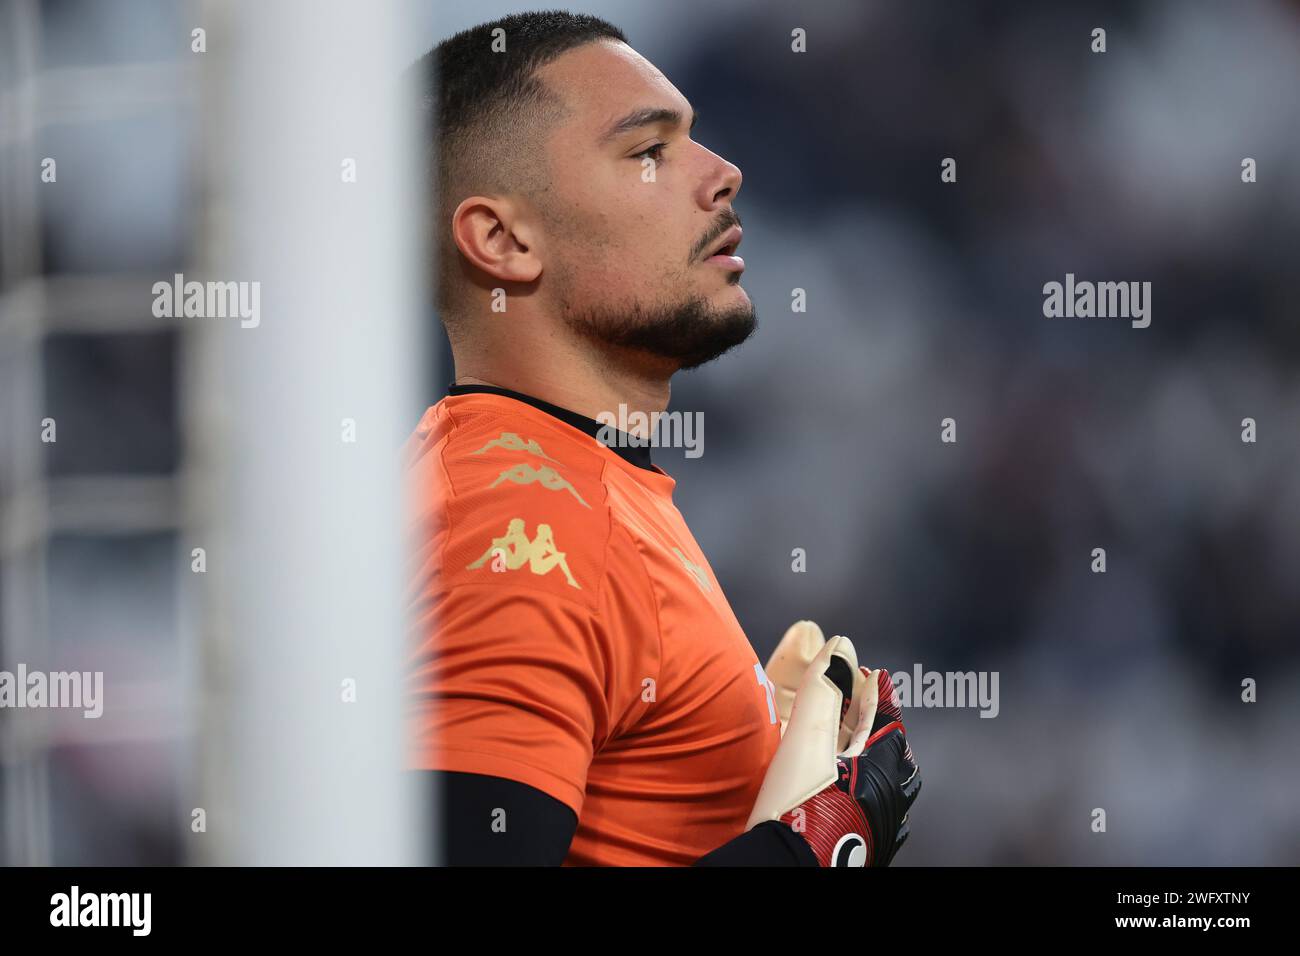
x: 726, y: 219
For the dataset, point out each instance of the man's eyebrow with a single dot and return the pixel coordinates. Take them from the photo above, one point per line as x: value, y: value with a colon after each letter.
x: 647, y: 116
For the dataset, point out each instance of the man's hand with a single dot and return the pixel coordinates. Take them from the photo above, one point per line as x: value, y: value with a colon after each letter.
x: 850, y: 804
x: 798, y: 648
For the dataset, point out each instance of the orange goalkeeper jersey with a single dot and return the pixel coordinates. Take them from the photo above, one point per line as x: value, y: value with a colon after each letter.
x: 571, y: 636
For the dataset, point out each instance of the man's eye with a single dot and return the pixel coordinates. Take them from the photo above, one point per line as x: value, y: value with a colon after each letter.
x: 655, y: 152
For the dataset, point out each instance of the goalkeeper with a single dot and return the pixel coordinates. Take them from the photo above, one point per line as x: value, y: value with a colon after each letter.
x: 579, y: 689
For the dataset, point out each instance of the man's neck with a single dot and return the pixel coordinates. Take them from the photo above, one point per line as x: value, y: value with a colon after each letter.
x: 580, y: 390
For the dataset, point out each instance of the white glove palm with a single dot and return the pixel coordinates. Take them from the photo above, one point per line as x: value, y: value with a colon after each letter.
x: 821, y: 727
x: 802, y: 642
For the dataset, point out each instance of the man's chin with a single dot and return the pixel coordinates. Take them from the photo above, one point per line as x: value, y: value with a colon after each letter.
x: 684, y: 336
x: 729, y: 325
x: 732, y: 296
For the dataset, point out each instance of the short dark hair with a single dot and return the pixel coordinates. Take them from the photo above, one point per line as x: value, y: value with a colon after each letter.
x: 482, y: 111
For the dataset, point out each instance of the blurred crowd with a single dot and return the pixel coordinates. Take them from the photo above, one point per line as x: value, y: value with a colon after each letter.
x: 1122, y: 690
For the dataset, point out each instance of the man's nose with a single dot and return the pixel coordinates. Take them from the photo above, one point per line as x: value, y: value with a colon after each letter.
x: 721, y: 184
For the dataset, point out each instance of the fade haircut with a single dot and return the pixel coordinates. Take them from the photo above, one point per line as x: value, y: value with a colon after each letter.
x: 485, y: 113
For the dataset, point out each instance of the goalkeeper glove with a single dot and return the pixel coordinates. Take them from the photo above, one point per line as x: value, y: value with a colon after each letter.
x: 785, y: 669
x: 851, y: 807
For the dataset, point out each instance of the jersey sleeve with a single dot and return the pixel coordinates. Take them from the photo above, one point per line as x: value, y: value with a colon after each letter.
x: 537, y: 634
x: 513, y: 688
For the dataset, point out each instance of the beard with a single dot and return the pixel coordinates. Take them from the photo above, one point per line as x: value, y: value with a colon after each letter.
x: 686, y: 334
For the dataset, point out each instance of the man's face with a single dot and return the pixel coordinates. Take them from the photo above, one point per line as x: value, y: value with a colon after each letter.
x: 634, y: 213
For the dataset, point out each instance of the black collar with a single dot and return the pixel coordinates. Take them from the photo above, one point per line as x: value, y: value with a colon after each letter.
x: 628, y: 447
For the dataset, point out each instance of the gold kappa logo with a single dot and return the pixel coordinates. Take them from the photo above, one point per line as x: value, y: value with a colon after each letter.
x: 509, y: 441
x: 545, y: 476
x: 513, y: 550
x: 697, y: 572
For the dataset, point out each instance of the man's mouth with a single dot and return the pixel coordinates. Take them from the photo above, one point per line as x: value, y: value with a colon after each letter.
x: 724, y: 251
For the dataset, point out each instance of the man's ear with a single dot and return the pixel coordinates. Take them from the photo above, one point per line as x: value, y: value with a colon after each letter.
x: 491, y: 234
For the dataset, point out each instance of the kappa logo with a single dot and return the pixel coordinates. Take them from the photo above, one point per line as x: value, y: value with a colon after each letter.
x: 697, y: 572
x: 545, y: 476
x: 509, y: 441
x: 513, y: 550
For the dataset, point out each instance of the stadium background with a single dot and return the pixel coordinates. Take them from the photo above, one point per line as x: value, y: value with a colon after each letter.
x: 1119, y: 691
